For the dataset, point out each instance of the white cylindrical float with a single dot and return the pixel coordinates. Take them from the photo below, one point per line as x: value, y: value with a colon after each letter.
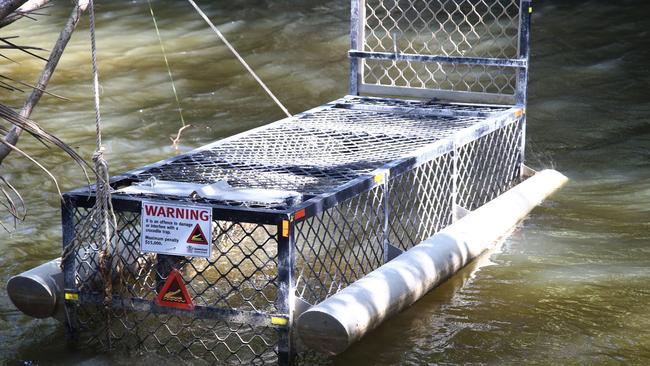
x: 344, y: 318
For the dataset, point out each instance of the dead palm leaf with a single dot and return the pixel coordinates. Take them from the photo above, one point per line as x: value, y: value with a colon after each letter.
x: 43, y: 136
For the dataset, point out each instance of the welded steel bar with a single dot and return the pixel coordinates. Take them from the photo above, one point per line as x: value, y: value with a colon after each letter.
x: 201, y: 312
x: 439, y: 94
x: 286, y: 288
x: 69, y: 268
x: 457, y: 60
x: 523, y: 50
x: 355, y: 27
x: 525, y: 13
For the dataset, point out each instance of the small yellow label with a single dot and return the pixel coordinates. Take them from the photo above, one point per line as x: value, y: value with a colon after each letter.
x: 277, y: 320
x: 285, y: 228
x: 518, y: 113
x: 72, y: 297
x: 379, y: 178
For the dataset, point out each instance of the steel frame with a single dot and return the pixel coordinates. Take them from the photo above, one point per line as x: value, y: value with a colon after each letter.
x: 496, y: 113
x: 286, y: 219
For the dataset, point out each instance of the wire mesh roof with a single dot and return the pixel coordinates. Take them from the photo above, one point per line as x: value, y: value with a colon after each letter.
x: 318, y: 150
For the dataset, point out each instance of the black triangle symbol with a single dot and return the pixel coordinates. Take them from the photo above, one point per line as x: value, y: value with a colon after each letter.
x: 197, y: 237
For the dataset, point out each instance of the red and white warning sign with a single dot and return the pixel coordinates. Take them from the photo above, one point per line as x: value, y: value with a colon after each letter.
x: 174, y: 294
x: 176, y: 229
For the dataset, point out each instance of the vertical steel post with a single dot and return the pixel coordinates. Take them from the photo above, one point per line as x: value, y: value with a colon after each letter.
x: 387, y: 212
x: 523, y: 52
x: 357, y: 29
x: 455, y: 153
x: 286, y: 291
x: 68, y: 263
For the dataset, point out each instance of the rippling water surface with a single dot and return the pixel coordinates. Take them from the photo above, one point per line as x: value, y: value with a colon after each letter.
x: 572, y: 284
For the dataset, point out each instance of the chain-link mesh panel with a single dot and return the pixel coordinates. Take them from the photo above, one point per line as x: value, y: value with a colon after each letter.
x: 457, y: 77
x: 212, y: 341
x: 421, y: 202
x: 318, y: 151
x: 340, y: 245
x: 346, y: 242
x: 489, y: 166
x: 240, y: 276
x: 470, y: 28
x: 465, y: 28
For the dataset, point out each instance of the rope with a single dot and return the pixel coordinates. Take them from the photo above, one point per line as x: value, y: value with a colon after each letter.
x: 103, y: 209
x: 93, y: 53
x: 169, y: 70
x: 97, y: 229
x: 241, y: 60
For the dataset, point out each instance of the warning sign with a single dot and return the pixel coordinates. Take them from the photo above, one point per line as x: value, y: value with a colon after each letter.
x: 176, y: 229
x: 174, y: 294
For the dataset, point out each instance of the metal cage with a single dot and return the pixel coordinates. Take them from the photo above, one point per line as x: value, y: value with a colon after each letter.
x: 375, y: 175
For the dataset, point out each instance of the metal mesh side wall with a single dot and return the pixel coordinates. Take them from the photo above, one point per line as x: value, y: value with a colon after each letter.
x: 456, y: 77
x: 340, y: 245
x: 241, y: 276
x: 470, y: 28
x: 467, y: 28
x: 489, y: 166
x: 421, y: 202
x: 214, y: 342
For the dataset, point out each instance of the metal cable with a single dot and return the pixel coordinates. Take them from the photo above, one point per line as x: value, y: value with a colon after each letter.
x: 241, y: 60
x: 169, y: 70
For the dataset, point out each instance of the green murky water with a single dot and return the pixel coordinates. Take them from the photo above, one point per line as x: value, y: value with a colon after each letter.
x: 571, y: 286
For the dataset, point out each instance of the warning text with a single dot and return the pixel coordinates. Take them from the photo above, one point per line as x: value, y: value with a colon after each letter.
x: 176, y: 230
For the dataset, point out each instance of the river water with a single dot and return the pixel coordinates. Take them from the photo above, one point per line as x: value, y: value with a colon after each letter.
x: 570, y: 286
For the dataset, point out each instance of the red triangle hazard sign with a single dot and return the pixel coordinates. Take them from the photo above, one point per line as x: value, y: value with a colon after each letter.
x: 174, y: 294
x: 197, y: 237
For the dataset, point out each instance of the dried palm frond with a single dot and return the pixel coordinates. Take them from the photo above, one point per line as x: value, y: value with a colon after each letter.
x: 8, y: 199
x: 43, y: 136
x: 26, y: 49
x: 28, y: 10
x: 8, y: 194
x: 29, y: 86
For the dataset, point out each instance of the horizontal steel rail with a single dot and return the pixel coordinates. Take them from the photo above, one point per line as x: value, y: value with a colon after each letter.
x: 439, y: 94
x: 519, y: 63
x: 202, y: 312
